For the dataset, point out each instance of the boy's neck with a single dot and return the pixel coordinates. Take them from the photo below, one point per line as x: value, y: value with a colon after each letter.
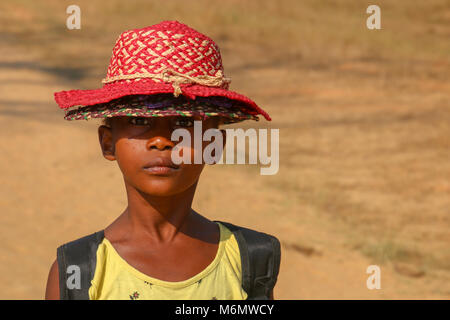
x: 158, y: 217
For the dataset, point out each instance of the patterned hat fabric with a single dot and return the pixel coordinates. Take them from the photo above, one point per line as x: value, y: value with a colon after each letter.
x: 168, y: 57
x: 163, y: 105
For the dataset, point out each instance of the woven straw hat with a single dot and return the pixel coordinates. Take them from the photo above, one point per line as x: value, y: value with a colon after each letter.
x: 168, y: 57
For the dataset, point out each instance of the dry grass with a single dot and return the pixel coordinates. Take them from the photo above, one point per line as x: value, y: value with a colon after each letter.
x: 364, y: 120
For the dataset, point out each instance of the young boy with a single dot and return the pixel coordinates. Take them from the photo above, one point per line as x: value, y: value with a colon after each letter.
x: 162, y: 78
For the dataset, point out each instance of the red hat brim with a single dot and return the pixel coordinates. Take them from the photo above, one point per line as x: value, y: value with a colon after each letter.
x: 108, y: 92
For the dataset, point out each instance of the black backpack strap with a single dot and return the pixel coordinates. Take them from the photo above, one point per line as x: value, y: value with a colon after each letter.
x: 260, y: 261
x: 78, y: 259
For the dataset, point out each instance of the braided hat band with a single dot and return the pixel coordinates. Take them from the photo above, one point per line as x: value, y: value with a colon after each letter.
x: 164, y: 105
x: 176, y: 78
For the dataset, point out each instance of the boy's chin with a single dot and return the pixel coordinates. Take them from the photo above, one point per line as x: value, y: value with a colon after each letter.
x: 163, y: 188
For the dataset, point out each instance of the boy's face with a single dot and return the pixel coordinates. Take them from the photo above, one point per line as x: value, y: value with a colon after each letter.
x: 142, y: 148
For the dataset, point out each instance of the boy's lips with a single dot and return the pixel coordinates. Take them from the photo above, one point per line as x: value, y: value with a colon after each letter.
x: 160, y: 166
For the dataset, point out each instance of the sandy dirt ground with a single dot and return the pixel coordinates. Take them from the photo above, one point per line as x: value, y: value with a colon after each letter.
x: 364, y: 173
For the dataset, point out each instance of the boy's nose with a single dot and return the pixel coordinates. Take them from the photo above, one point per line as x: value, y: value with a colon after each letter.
x: 160, y: 143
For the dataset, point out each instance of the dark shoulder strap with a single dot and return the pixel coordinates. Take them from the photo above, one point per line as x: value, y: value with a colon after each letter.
x: 76, y: 265
x: 260, y: 260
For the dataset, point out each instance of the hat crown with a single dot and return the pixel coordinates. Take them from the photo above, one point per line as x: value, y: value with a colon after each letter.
x: 170, y: 45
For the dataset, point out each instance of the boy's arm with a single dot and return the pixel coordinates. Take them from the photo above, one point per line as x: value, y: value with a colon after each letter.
x: 52, y: 291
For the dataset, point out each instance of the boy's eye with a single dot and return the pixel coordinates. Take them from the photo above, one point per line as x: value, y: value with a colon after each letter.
x: 184, y: 122
x: 139, y: 121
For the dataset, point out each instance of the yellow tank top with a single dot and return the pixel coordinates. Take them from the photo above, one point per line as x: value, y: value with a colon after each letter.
x: 115, y: 279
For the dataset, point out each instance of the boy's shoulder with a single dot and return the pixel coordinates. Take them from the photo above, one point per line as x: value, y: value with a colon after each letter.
x: 78, y: 258
x: 250, y: 236
x: 260, y: 260
x: 84, y: 239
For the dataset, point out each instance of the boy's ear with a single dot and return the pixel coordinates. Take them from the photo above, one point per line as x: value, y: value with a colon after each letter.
x: 106, y: 143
